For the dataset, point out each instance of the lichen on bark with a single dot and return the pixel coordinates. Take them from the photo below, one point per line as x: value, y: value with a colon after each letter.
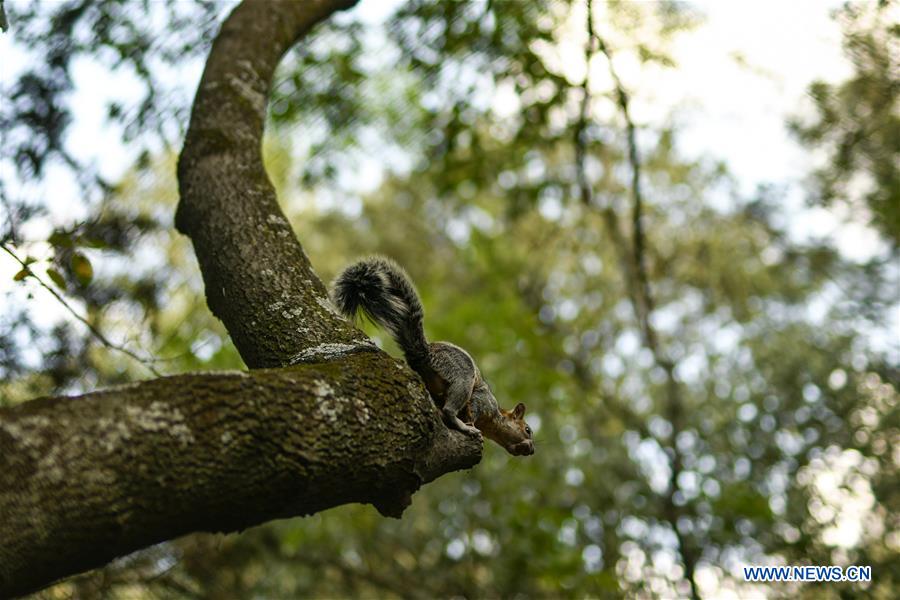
x: 85, y: 479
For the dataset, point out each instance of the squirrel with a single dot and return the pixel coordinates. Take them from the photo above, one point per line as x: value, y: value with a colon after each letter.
x: 382, y: 290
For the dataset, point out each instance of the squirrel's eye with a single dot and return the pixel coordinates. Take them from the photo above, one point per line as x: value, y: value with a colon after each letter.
x: 528, y: 430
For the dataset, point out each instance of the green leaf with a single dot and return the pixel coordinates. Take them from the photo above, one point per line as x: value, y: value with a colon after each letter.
x: 21, y: 275
x: 58, y: 279
x: 93, y: 242
x: 60, y: 238
x: 82, y: 268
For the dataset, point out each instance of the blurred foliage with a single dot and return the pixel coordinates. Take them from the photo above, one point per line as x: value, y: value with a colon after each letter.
x: 857, y: 122
x: 36, y: 115
x: 781, y: 448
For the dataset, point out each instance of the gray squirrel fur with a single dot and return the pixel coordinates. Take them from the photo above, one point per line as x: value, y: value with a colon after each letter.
x: 380, y: 289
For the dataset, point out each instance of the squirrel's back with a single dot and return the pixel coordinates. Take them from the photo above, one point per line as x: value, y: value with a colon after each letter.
x: 382, y: 290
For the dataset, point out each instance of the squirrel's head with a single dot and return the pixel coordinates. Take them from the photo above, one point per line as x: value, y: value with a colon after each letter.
x: 506, y: 427
x: 513, y: 433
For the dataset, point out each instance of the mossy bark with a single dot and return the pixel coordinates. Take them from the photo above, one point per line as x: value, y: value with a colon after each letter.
x: 86, y: 479
x: 326, y: 419
x: 259, y: 281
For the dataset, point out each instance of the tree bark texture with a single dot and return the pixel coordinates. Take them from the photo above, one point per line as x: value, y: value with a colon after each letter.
x: 86, y: 479
x: 259, y: 281
x: 331, y: 420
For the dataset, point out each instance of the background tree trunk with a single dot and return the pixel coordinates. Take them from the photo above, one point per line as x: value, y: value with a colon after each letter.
x: 86, y: 479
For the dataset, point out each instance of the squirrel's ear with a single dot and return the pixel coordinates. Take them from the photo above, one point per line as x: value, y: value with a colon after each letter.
x: 519, y: 411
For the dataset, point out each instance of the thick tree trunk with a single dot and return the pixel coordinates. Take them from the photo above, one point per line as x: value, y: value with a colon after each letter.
x: 86, y: 479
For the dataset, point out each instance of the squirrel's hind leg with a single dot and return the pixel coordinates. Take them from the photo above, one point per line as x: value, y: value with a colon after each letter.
x: 458, y: 395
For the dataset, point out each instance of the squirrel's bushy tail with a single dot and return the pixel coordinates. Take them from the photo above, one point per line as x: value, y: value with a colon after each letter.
x: 383, y: 291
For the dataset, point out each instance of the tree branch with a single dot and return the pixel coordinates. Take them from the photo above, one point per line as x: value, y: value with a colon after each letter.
x: 86, y: 479
x: 259, y: 281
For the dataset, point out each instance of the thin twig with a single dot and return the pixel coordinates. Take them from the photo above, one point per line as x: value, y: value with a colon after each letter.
x: 637, y: 217
x: 637, y: 279
x: 587, y: 196
x: 145, y: 362
x: 10, y: 216
x: 581, y: 130
x: 610, y: 219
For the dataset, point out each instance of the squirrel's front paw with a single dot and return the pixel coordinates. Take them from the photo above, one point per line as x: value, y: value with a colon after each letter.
x: 472, y: 430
